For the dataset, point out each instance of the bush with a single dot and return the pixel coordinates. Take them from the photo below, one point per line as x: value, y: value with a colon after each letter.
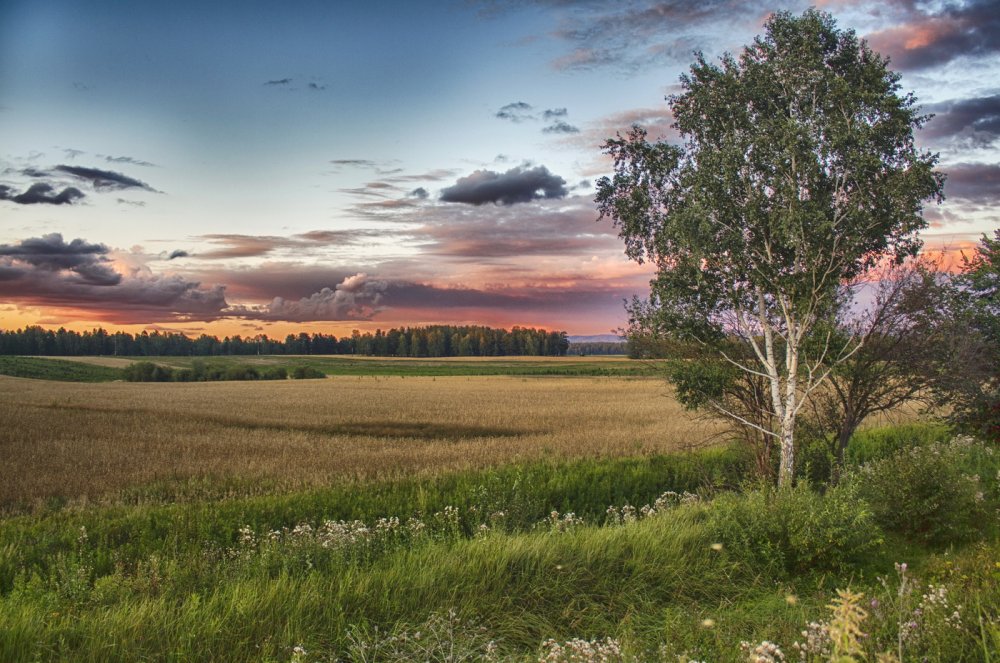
x: 307, y: 372
x: 274, y: 373
x: 795, y: 530
x: 929, y: 492
x: 241, y: 372
x: 147, y: 371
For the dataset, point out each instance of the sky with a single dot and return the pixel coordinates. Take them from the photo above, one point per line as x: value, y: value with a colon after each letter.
x: 274, y: 167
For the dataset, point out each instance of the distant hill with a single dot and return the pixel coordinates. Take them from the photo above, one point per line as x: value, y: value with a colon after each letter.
x: 597, y: 338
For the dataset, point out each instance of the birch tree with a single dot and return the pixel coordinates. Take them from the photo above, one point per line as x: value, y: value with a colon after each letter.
x: 797, y: 171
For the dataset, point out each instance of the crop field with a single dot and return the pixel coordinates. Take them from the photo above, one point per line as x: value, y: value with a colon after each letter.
x: 74, y: 441
x: 457, y: 517
x: 597, y: 366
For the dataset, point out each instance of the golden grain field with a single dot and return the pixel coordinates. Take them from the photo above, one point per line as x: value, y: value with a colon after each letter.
x: 91, y: 441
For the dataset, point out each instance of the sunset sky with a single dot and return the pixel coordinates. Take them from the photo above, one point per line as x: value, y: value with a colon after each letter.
x: 252, y: 167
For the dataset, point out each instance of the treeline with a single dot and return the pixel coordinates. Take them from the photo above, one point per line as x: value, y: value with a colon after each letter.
x: 147, y: 371
x: 432, y: 341
x: 598, y: 348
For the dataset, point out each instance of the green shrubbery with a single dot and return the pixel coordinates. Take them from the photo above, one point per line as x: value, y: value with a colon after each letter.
x: 932, y: 492
x: 795, y: 530
x: 307, y: 373
x: 147, y: 371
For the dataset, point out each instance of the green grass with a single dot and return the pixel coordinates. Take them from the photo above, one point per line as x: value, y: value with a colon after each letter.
x: 56, y: 369
x: 154, y: 581
x: 427, y: 367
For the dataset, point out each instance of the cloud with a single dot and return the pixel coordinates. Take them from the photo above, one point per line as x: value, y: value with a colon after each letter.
x: 561, y: 127
x: 517, y: 185
x: 178, y: 253
x: 517, y: 111
x: 86, y: 262
x: 130, y: 160
x: 104, y: 179
x: 554, y: 113
x: 419, y: 193
x: 49, y: 272
x: 974, y: 121
x: 356, y: 298
x: 635, y: 35
x: 71, y: 153
x: 234, y: 245
x: 560, y: 229
x: 355, y: 163
x: 937, y: 33
x: 279, y: 81
x: 41, y: 193
x: 977, y: 183
x: 316, y: 86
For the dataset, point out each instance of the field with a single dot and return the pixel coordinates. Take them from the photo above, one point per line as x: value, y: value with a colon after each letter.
x: 607, y: 366
x: 461, y: 517
x: 91, y: 441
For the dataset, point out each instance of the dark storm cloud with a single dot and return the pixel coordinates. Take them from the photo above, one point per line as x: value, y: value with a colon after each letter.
x: 517, y: 111
x: 178, y: 253
x: 561, y: 127
x: 279, y: 81
x: 130, y: 160
x: 977, y: 183
x: 104, y: 179
x: 975, y: 121
x: 517, y: 185
x: 41, y: 193
x: 935, y: 34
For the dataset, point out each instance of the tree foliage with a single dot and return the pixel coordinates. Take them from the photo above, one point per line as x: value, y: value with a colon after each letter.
x: 797, y: 172
x: 432, y: 341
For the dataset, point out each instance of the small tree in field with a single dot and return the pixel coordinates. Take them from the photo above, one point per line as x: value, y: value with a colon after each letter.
x: 798, y: 172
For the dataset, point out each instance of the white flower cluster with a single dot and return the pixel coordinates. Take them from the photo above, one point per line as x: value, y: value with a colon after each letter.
x: 665, y: 502
x: 561, y: 523
x: 765, y: 652
x: 817, y: 641
x: 334, y: 534
x: 577, y: 650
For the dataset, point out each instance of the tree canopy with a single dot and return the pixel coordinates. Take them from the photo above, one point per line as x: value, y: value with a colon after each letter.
x: 797, y: 172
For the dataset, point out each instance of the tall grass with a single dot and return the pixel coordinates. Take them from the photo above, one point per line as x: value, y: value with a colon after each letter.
x: 254, y: 578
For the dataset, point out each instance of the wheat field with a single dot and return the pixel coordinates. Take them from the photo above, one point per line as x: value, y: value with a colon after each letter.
x: 90, y: 442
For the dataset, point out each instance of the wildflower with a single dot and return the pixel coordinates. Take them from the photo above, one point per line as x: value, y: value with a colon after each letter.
x: 791, y: 599
x: 716, y: 547
x: 708, y: 623
x: 765, y: 652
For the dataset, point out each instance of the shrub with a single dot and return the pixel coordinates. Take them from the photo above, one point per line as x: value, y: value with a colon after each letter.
x: 930, y: 492
x: 241, y: 372
x: 274, y: 373
x: 147, y: 371
x: 795, y: 529
x: 307, y: 372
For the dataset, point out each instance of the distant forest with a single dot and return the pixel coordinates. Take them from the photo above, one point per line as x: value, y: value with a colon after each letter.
x: 432, y: 341
x: 584, y: 348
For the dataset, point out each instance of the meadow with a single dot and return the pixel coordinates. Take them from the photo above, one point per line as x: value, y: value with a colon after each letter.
x: 471, y: 517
